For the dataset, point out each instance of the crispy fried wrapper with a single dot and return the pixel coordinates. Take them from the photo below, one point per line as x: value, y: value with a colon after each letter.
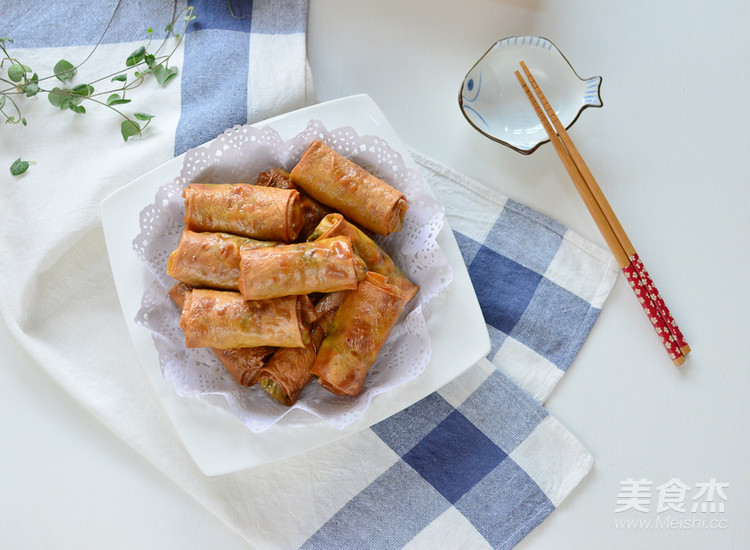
x: 223, y: 319
x: 375, y: 258
x: 254, y: 211
x: 244, y: 364
x: 312, y: 210
x: 350, y: 189
x: 357, y: 332
x: 288, y: 370
x: 326, y: 265
x: 210, y: 260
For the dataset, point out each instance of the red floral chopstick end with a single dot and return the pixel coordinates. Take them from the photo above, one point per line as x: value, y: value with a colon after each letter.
x: 659, y: 302
x: 649, y: 299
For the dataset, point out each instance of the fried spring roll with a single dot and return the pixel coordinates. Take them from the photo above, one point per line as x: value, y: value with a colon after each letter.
x: 264, y: 213
x: 210, y: 260
x: 223, y: 319
x: 350, y: 189
x: 312, y: 210
x: 275, y: 177
x: 358, y: 331
x: 244, y: 364
x: 326, y: 265
x: 375, y: 258
x: 288, y: 369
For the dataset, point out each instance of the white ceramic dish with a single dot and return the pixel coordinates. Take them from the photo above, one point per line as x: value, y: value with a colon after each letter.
x: 494, y: 103
x: 212, y: 435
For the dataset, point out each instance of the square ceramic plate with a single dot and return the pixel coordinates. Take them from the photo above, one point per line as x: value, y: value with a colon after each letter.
x: 216, y: 440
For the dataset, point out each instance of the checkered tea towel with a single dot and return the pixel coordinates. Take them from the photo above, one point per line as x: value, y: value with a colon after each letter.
x: 540, y: 285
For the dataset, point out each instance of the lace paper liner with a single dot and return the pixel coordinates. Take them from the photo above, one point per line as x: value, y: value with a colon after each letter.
x: 239, y: 155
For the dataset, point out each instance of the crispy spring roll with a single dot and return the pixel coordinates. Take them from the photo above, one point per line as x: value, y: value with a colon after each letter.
x: 350, y: 189
x: 288, y: 369
x: 312, y: 210
x: 358, y: 331
x: 375, y: 258
x: 326, y: 265
x: 244, y: 364
x: 223, y: 319
x: 275, y: 177
x: 210, y: 260
x: 263, y: 213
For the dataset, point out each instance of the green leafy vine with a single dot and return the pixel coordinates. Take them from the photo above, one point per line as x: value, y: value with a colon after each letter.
x: 21, y: 82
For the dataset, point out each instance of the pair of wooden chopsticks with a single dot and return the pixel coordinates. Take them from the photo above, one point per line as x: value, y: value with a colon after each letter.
x: 613, y: 233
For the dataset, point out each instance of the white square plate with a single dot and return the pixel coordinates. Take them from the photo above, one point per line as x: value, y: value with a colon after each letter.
x: 216, y: 440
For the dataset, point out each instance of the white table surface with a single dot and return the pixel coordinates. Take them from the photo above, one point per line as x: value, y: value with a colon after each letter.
x: 670, y: 149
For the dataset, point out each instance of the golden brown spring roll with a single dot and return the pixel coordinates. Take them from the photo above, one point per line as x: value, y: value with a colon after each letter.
x: 326, y: 265
x: 210, y: 260
x: 375, y: 258
x: 288, y: 369
x: 223, y: 319
x: 350, y: 189
x: 358, y: 331
x: 263, y: 213
x: 275, y: 177
x: 244, y: 364
x: 312, y: 210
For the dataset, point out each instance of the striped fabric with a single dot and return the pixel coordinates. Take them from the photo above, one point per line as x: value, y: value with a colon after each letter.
x: 228, y: 54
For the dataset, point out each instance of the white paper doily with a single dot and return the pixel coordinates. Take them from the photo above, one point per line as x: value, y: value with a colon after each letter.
x: 238, y: 156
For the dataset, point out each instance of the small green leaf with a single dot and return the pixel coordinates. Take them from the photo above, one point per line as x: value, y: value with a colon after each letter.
x: 135, y: 57
x: 56, y: 97
x: 120, y: 78
x: 30, y: 89
x: 23, y: 121
x: 143, y: 116
x: 2, y: 101
x: 70, y: 100
x: 19, y: 167
x: 64, y: 70
x: 80, y: 109
x: 115, y: 99
x: 150, y: 59
x: 129, y: 128
x: 171, y: 75
x: 16, y: 72
x: 164, y: 75
x: 84, y: 90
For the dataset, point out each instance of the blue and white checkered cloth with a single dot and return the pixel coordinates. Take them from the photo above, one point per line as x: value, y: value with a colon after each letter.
x: 540, y: 285
x: 477, y: 464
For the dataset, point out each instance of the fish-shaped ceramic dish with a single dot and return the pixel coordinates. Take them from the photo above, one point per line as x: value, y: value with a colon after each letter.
x: 493, y: 102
